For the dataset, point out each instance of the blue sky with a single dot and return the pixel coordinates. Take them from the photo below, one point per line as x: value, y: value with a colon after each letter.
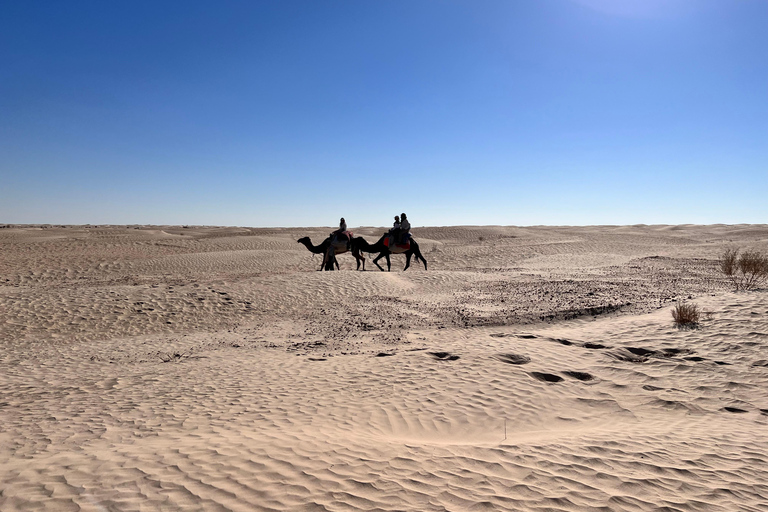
x: 294, y: 113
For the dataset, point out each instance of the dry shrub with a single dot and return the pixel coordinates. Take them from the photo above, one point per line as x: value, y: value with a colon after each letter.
x: 728, y: 261
x: 686, y: 315
x: 172, y: 357
x: 747, y: 271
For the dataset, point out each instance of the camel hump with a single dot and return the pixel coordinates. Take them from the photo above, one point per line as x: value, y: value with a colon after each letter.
x: 341, y: 241
x: 344, y: 236
x: 390, y: 243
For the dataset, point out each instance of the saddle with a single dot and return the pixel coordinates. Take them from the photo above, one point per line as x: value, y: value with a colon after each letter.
x: 390, y: 242
x: 344, y: 236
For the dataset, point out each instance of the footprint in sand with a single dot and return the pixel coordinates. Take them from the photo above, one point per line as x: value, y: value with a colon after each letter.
x: 641, y: 355
x: 582, y: 376
x: 444, y: 356
x: 734, y: 409
x: 546, y: 377
x: 672, y: 352
x: 640, y: 351
x: 513, y: 358
x: 627, y: 356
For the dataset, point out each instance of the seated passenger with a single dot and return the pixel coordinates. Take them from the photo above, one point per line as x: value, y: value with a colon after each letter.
x: 395, y: 225
x: 394, y: 233
x: 336, y: 235
x: 405, y: 227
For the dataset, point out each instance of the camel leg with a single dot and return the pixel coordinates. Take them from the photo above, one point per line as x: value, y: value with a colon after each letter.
x: 419, y: 256
x: 389, y: 264
x: 359, y: 257
x: 330, y: 257
x: 376, y: 261
x: 407, y: 261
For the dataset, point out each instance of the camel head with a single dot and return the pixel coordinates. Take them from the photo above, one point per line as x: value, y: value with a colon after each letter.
x: 304, y: 240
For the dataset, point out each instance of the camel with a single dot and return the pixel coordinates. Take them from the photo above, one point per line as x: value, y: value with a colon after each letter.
x: 329, y: 251
x: 410, y: 250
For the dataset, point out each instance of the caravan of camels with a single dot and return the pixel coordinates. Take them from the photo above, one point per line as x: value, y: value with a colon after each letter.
x: 397, y: 240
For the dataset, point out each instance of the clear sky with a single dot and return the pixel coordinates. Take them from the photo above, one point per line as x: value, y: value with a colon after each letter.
x: 294, y: 113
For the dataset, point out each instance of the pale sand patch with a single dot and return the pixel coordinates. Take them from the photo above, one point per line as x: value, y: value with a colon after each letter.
x: 275, y: 387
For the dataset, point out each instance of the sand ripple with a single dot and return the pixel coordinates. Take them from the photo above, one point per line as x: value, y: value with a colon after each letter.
x: 275, y: 387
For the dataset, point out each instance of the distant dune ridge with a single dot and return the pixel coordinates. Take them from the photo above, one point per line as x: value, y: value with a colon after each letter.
x: 530, y: 368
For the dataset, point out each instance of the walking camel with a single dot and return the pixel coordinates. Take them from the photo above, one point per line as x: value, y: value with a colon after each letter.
x: 410, y: 249
x: 329, y: 251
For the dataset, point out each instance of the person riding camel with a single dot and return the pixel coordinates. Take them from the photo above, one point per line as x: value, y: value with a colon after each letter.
x: 395, y: 225
x: 336, y: 235
x: 405, y: 227
x: 394, y: 233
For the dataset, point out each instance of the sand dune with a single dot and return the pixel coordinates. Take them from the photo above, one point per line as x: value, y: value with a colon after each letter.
x: 203, y: 368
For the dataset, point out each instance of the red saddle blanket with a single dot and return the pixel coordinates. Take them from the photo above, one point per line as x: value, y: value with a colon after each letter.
x: 388, y: 243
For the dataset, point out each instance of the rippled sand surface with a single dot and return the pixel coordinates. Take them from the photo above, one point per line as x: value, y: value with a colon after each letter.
x: 204, y: 368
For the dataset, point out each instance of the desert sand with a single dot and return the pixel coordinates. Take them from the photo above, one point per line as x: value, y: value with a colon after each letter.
x: 538, y: 368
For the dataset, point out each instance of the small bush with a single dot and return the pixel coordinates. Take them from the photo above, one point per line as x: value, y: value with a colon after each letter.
x: 686, y: 315
x: 728, y: 261
x: 168, y: 357
x: 747, y: 271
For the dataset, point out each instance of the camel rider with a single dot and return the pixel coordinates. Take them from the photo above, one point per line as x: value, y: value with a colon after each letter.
x: 394, y: 233
x: 395, y: 225
x: 405, y: 227
x: 342, y: 228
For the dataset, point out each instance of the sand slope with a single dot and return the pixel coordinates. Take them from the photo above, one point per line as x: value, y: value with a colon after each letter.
x: 535, y: 369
